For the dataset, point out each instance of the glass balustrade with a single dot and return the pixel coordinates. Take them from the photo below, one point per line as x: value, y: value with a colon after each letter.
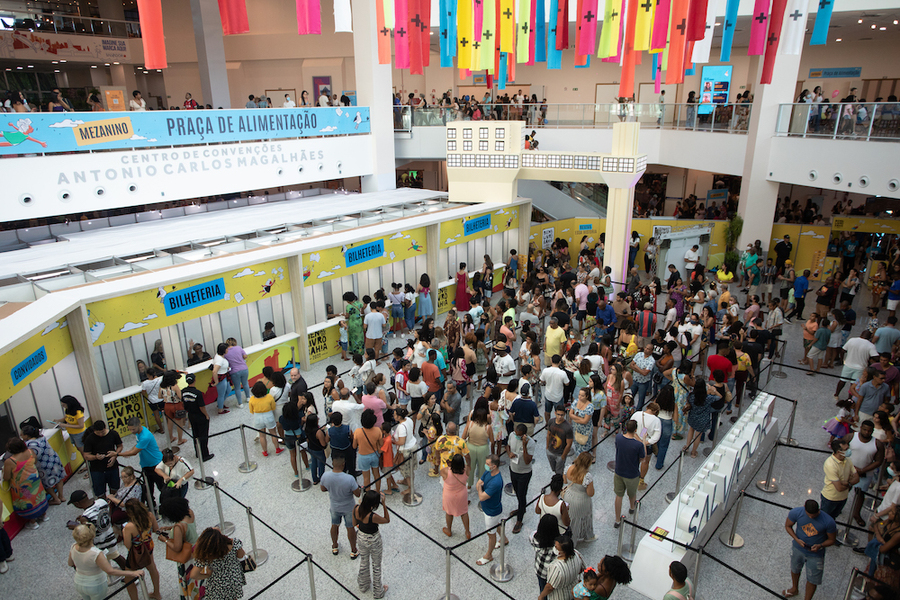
x: 868, y: 121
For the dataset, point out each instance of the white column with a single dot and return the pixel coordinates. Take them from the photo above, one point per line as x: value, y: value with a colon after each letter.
x: 524, y: 235
x: 298, y: 307
x: 374, y: 89
x: 83, y: 348
x: 758, y: 194
x: 210, y: 54
x: 620, y: 204
x: 432, y: 262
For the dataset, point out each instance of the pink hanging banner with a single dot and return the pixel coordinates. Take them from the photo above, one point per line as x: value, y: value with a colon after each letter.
x: 531, y: 33
x: 309, y: 17
x: 587, y: 25
x: 152, y: 37
x: 401, y: 34
x: 660, y: 25
x: 478, y: 16
x: 758, y: 23
x: 234, y: 17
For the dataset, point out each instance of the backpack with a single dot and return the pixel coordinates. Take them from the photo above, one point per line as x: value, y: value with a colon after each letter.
x: 632, y: 348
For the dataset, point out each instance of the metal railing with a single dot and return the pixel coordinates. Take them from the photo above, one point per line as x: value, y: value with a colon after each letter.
x: 879, y: 121
x: 727, y: 118
x: 70, y: 24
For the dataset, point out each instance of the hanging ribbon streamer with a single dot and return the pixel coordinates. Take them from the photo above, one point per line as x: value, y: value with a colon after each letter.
x: 609, y: 35
x: 401, y: 34
x: 388, y: 11
x: 524, y: 27
x: 540, y: 33
x: 465, y: 24
x: 511, y: 65
x: 234, y: 17
x: 414, y: 26
x: 477, y: 19
x: 507, y: 25
x: 661, y: 26
x: 758, y: 28
x: 677, y: 39
x: 309, y: 17
x: 643, y: 25
x: 343, y: 20
x: 532, y: 28
x: 562, y: 25
x: 657, y: 74
x: 776, y: 20
x: 384, y: 35
x: 795, y: 30
x: 587, y: 27
x: 626, y: 83
x: 700, y: 53
x: 152, y: 37
x: 554, y: 56
x: 443, y: 32
x: 617, y: 57
x: 488, y: 41
x: 696, y: 20
x: 823, y: 22
x: 731, y: 11
x: 501, y: 76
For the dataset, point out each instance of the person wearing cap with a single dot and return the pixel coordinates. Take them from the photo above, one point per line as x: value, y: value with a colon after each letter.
x: 196, y: 412
x: 520, y: 448
x: 646, y: 323
x: 96, y: 513
x: 503, y: 364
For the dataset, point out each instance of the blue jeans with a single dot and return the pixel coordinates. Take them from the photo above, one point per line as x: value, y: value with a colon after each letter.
x: 316, y: 464
x: 409, y: 314
x: 239, y: 381
x: 639, y: 391
x: 103, y: 477
x: 667, y: 427
x: 872, y: 551
x: 632, y: 254
x: 832, y: 508
x: 222, y: 391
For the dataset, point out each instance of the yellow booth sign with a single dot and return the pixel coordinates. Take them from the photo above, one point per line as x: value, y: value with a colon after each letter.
x: 34, y: 357
x: 459, y: 231
x: 119, y: 411
x: 331, y: 263
x: 323, y: 343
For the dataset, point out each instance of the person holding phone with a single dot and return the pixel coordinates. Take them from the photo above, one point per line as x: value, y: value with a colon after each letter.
x: 815, y: 531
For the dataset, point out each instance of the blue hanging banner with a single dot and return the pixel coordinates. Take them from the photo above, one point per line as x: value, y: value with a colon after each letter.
x: 451, y: 27
x: 731, y: 11
x: 554, y: 56
x: 540, y: 33
x: 823, y: 22
x: 501, y: 77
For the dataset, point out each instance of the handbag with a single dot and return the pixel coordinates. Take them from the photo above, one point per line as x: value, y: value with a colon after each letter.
x: 581, y: 438
x: 248, y: 563
x: 183, y: 555
x: 140, y: 555
x: 470, y: 369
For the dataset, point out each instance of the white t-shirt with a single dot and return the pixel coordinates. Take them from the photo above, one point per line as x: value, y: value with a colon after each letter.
x: 289, y: 104
x: 596, y: 363
x: 375, y: 323
x: 858, y: 352
x: 690, y: 259
x: 504, y: 364
x: 416, y: 390
x: 224, y: 367
x: 891, y: 496
x: 671, y: 317
x: 351, y: 411
x: 178, y: 470
x: 323, y: 100
x: 649, y: 422
x: 406, y: 429
x: 151, y: 386
x: 554, y: 380
x: 138, y: 106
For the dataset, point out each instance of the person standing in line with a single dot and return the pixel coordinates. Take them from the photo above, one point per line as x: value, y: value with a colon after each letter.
x: 150, y: 388
x: 840, y: 476
x: 815, y: 531
x: 578, y: 496
x: 195, y: 406
x: 218, y: 561
x: 237, y: 361
x: 787, y: 276
x: 543, y: 540
x: 180, y: 543
x: 175, y: 471
x: 341, y: 488
x: 137, y: 536
x: 858, y: 354
x: 783, y: 251
x: 373, y: 327
x: 92, y: 569
x: 455, y: 500
x: 48, y: 465
x: 560, y: 437
x: 650, y: 432
x: 630, y: 451
x: 219, y: 377
x: 149, y: 455
x: 490, y: 494
x: 801, y: 287
x: 867, y: 454
x: 564, y: 572
x: 887, y: 335
x: 101, y: 448
x: 691, y: 258
x: 682, y: 586
x: 554, y: 381
x: 370, y: 542
x: 520, y: 448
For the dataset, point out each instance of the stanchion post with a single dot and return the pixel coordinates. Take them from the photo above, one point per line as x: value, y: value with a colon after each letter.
x: 258, y: 554
x: 300, y: 484
x: 169, y: 445
x: 619, y: 544
x: 845, y: 538
x: 871, y: 501
x: 789, y: 440
x: 709, y: 449
x: 672, y: 495
x: 204, y: 482
x: 148, y: 493
x: 246, y: 466
x: 629, y: 550
x: 411, y: 498
x: 769, y: 486
x: 697, y: 571
x: 780, y: 374
x: 226, y: 527
x: 312, y: 580
x: 502, y: 572
x: 144, y: 588
x: 732, y: 539
x: 447, y: 595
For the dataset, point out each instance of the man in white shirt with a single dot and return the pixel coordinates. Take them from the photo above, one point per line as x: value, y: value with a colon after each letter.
x: 649, y: 429
x: 288, y: 103
x: 691, y: 257
x: 696, y: 330
x: 554, y: 381
x: 503, y: 364
x: 671, y: 314
x: 374, y: 327
x: 349, y: 408
x: 858, y: 352
x: 323, y: 98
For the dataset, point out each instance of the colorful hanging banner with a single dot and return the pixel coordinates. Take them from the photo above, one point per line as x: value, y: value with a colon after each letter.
x: 477, y: 19
x: 626, y: 83
x: 507, y: 25
x: 700, y: 53
x: 554, y: 55
x: 677, y: 42
x: 309, y: 17
x: 388, y: 12
x: 795, y: 29
x: 531, y: 32
x: 343, y: 20
x: 731, y: 11
x: 609, y: 35
x: 234, y: 17
x: 501, y: 76
x: 643, y: 25
x: 465, y: 35
x: 660, y: 26
x: 540, y: 33
x: 419, y: 38
x: 823, y: 22
x: 451, y: 27
x: 401, y: 34
x: 758, y: 23
x: 152, y: 36
x: 587, y: 27
x: 657, y: 73
x: 696, y: 20
x: 383, y: 33
x: 562, y: 25
x: 776, y: 20
x: 522, y: 31
x: 488, y: 44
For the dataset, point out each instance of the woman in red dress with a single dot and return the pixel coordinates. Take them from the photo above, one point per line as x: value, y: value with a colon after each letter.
x: 462, y: 289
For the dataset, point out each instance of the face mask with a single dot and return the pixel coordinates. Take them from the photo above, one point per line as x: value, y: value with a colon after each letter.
x: 848, y: 452
x: 891, y: 472
x: 556, y: 551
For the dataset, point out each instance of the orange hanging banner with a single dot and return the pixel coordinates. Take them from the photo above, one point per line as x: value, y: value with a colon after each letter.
x: 675, y: 64
x: 152, y: 36
x: 383, y: 33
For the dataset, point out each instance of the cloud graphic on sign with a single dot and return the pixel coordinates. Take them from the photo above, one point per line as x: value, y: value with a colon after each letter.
x: 393, y: 255
x: 405, y: 237
x: 335, y: 267
x: 495, y: 228
x: 314, y: 257
x: 501, y: 212
x: 815, y: 236
x: 564, y: 230
x: 457, y: 235
x: 150, y: 317
x: 259, y: 273
x: 96, y: 330
x: 50, y: 327
x: 227, y: 296
x: 324, y: 274
x: 238, y: 297
x: 129, y: 326
x: 886, y: 227
x: 140, y: 137
x: 327, y: 129
x: 244, y: 273
x: 339, y: 111
x: 450, y: 241
x: 533, y: 235
x: 397, y: 236
x: 590, y: 240
x: 281, y: 277
x: 67, y: 123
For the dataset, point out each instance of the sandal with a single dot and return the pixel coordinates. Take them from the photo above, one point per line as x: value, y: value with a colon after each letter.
x: 788, y: 594
x: 694, y: 454
x: 483, y: 561
x: 334, y: 550
x: 354, y: 555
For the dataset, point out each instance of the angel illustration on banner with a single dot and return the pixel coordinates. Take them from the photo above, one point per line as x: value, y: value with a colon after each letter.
x: 415, y: 246
x: 23, y: 131
x: 267, y: 287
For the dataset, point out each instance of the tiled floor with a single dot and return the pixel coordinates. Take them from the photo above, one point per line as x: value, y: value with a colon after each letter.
x: 414, y: 565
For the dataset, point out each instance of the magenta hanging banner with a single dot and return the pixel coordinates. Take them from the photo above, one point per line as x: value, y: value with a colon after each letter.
x: 758, y: 26
x: 660, y: 36
x: 309, y: 17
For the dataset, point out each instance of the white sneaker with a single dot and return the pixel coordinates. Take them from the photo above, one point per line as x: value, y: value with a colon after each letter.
x: 45, y: 518
x: 3, y: 567
x: 32, y: 525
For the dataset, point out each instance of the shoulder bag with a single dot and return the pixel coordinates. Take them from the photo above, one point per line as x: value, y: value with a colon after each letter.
x: 183, y: 555
x: 140, y: 555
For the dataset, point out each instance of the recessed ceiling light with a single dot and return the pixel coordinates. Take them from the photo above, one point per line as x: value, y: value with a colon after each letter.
x: 93, y: 66
x: 115, y: 63
x: 56, y: 70
x: 839, y: 40
x: 860, y: 21
x: 55, y: 62
x: 30, y: 66
x: 882, y: 28
x: 106, y: 64
x: 896, y: 22
x: 874, y: 26
x: 62, y: 61
x: 718, y: 24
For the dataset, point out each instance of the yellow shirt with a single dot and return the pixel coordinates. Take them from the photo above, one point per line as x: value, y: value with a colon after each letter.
x: 554, y: 339
x: 262, y: 405
x: 71, y: 423
x: 725, y: 297
x: 836, y: 470
x: 744, y: 362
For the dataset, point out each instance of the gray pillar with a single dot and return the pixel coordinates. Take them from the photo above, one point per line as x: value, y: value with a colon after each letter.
x: 373, y: 89
x: 210, y: 54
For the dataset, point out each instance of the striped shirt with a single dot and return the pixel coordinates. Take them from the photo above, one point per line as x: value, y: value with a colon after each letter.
x: 563, y: 575
x: 98, y: 514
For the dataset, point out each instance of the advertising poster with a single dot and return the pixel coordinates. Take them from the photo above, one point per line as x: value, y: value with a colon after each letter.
x: 715, y: 87
x: 475, y: 227
x: 446, y: 298
x: 119, y: 411
x: 116, y: 318
x: 324, y: 265
x: 34, y: 357
x: 323, y: 343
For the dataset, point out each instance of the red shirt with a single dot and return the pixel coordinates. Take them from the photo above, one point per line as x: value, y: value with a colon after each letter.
x: 431, y: 375
x: 717, y: 361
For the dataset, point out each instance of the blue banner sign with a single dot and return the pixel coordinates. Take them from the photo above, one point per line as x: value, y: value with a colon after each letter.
x: 477, y: 224
x: 201, y: 294
x: 843, y: 73
x: 585, y: 227
x: 29, y: 365
x: 36, y: 133
x: 364, y: 253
